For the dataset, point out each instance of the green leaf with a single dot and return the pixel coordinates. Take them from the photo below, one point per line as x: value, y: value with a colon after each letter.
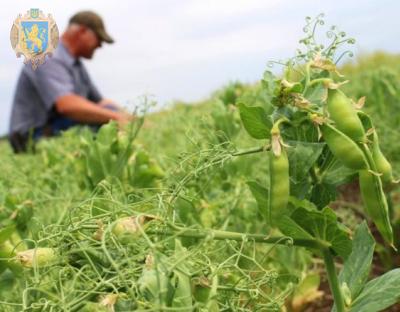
x: 316, y: 94
x: 260, y: 194
x: 24, y: 215
x: 378, y: 294
x: 300, y: 189
x: 107, y: 134
x: 295, y: 87
x: 322, y: 194
x: 302, y: 156
x: 357, y: 266
x: 255, y: 121
x: 257, y: 97
x: 181, y: 280
x: 323, y: 225
x: 338, y: 174
x: 224, y: 121
x: 302, y: 203
x: 268, y: 82
x: 290, y: 228
x: 6, y: 232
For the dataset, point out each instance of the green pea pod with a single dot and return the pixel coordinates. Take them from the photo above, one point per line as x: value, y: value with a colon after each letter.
x: 346, y: 150
x: 183, y: 292
x: 382, y: 164
x: 128, y: 229
x: 342, y: 112
x: 375, y: 203
x: 279, y: 186
x: 7, y: 251
x: 154, y: 285
x: 37, y: 257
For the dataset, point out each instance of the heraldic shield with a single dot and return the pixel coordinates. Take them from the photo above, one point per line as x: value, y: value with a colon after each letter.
x: 34, y: 36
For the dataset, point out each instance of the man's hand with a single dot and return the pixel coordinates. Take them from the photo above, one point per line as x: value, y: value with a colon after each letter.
x: 110, y: 104
x: 80, y: 109
x: 124, y: 119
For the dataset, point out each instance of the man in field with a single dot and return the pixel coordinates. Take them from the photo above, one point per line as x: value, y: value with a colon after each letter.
x: 60, y: 93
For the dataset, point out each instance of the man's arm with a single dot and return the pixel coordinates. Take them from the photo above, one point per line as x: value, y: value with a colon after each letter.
x: 80, y: 109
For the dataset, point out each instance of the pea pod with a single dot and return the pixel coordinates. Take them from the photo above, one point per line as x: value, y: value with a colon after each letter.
x: 128, y: 229
x: 382, y: 164
x: 40, y: 257
x: 375, y: 203
x: 342, y: 112
x: 154, y: 285
x: 279, y: 185
x: 346, y: 150
x: 183, y: 293
x: 7, y: 252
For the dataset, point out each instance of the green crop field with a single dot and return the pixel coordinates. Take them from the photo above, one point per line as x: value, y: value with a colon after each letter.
x: 276, y: 196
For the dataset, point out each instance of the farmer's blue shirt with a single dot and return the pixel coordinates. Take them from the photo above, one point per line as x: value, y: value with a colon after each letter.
x: 37, y: 90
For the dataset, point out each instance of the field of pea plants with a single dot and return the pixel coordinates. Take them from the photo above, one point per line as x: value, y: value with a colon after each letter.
x: 276, y: 196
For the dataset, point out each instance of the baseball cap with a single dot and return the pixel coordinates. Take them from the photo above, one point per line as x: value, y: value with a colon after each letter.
x: 93, y: 21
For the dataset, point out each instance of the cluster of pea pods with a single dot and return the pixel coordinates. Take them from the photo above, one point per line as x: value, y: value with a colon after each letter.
x: 352, y: 139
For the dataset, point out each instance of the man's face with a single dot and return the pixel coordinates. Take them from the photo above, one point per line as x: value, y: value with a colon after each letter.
x: 89, y: 42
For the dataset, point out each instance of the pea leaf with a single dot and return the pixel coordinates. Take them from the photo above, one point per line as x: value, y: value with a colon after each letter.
x: 321, y: 225
x: 322, y: 194
x: 107, y: 133
x: 300, y: 189
x: 288, y: 87
x: 6, y: 232
x: 302, y: 156
x: 302, y: 203
x: 261, y: 196
x: 337, y: 174
x: 357, y: 266
x: 255, y: 120
x: 290, y: 228
x: 379, y: 293
x: 316, y: 94
x: 269, y: 82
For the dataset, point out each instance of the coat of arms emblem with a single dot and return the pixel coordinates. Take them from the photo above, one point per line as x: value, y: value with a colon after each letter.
x: 34, y: 36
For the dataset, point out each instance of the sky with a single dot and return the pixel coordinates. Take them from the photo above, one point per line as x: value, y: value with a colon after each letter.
x: 184, y: 50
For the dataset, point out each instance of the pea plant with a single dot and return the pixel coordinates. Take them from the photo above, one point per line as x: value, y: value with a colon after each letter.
x: 317, y: 139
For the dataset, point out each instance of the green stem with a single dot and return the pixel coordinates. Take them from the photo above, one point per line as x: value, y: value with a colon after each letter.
x: 368, y: 156
x: 316, y: 179
x: 223, y: 235
x: 328, y: 162
x: 308, y: 65
x: 276, y: 125
x: 252, y: 150
x: 319, y: 80
x: 333, y: 280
